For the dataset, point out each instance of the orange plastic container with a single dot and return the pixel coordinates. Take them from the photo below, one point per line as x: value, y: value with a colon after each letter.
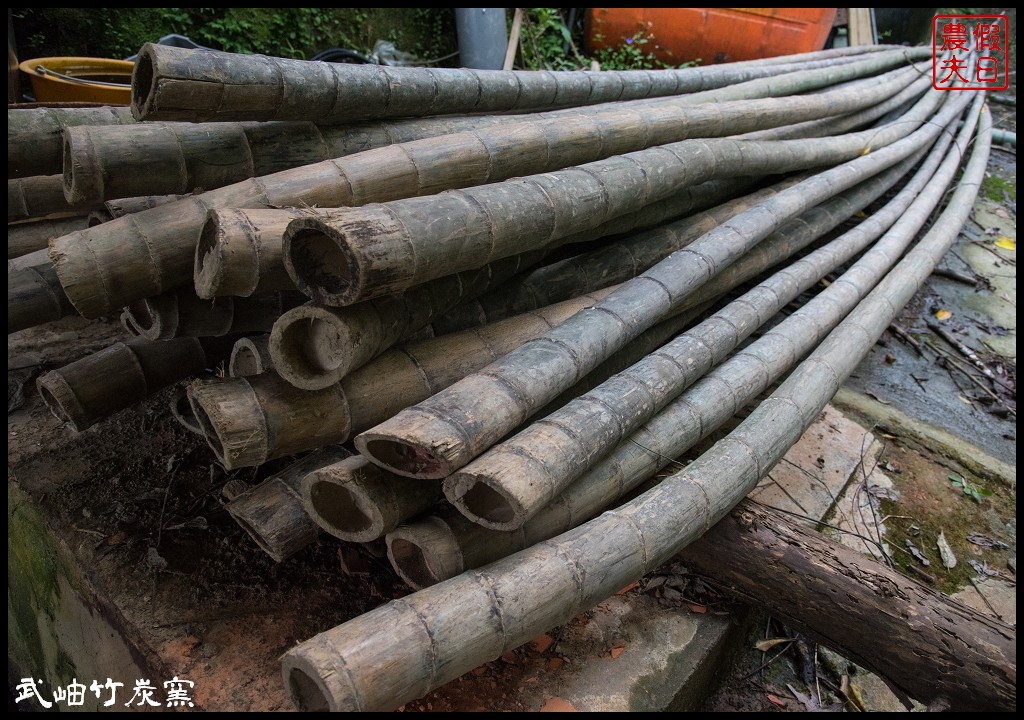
x: 85, y: 79
x: 712, y: 35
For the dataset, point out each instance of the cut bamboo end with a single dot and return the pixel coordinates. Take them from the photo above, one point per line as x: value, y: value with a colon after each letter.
x: 425, y: 553
x: 485, y: 502
x: 150, y: 321
x: 321, y: 264
x: 250, y: 356
x: 266, y: 514
x: 143, y: 87
x: 221, y: 268
x: 60, y: 399
x: 310, y: 346
x: 395, y: 445
x: 181, y: 410
x: 307, y: 689
x: 234, y: 425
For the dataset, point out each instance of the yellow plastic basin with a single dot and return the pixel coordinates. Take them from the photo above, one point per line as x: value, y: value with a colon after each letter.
x: 86, y: 79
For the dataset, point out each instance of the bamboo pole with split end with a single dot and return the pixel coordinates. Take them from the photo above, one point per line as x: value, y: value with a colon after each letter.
x: 356, y: 254
x: 440, y: 435
x: 105, y: 382
x: 34, y: 142
x: 126, y: 260
x: 428, y: 551
x: 314, y: 347
x: 272, y: 512
x: 26, y: 237
x: 434, y: 635
x: 180, y: 84
x: 250, y: 356
x: 34, y: 297
x: 41, y: 196
x: 248, y: 421
x: 180, y: 313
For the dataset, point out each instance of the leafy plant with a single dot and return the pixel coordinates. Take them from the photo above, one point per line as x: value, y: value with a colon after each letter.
x: 971, y: 490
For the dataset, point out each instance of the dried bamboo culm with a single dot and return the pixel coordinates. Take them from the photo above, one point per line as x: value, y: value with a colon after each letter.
x: 26, y: 237
x: 34, y: 297
x: 435, y: 549
x: 42, y: 196
x: 445, y: 432
x: 105, y: 382
x: 127, y: 206
x: 248, y: 421
x: 179, y: 84
x: 272, y: 513
x: 437, y: 634
x: 250, y: 356
x: 126, y: 260
x: 180, y: 313
x: 354, y: 254
x: 34, y: 141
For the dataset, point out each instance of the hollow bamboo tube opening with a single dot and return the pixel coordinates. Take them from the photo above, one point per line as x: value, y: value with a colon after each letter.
x: 142, y: 318
x: 412, y: 562
x: 311, y: 346
x: 249, y: 357
x: 404, y: 458
x: 142, y: 83
x: 340, y: 510
x: 321, y: 265
x: 425, y: 553
x: 209, y: 430
x: 306, y: 693
x: 209, y: 263
x: 58, y: 396
x: 181, y: 409
x: 489, y: 506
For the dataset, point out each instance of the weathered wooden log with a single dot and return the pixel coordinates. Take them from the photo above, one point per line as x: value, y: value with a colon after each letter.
x: 34, y: 143
x: 428, y: 551
x: 355, y: 254
x: 34, y: 297
x: 435, y: 635
x: 248, y: 421
x: 180, y: 313
x: 41, y: 196
x: 272, y: 512
x: 26, y: 237
x: 511, y: 482
x: 250, y: 356
x: 154, y: 251
x: 442, y: 434
x: 357, y: 501
x: 179, y: 84
x: 105, y: 382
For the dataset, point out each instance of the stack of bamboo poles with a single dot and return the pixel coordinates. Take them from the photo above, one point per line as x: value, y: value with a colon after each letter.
x: 516, y: 317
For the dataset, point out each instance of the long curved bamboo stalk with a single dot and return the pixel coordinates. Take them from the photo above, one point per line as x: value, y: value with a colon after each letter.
x: 272, y: 512
x: 442, y: 434
x: 126, y: 260
x: 435, y: 635
x: 105, y: 382
x: 435, y: 549
x: 34, y: 143
x: 41, y: 196
x: 34, y: 297
x: 180, y: 313
x: 179, y: 84
x: 26, y: 237
x: 359, y: 253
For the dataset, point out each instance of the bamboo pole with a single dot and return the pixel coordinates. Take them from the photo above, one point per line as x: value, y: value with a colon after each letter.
x: 435, y: 635
x: 105, y: 382
x: 426, y: 552
x: 181, y: 410
x: 34, y: 297
x: 179, y: 84
x: 272, y: 513
x: 357, y: 501
x: 34, y: 145
x: 26, y: 237
x: 180, y: 313
x: 355, y: 254
x: 127, y: 206
x: 250, y: 356
x: 248, y: 421
x: 442, y: 434
x: 124, y: 261
x: 41, y: 196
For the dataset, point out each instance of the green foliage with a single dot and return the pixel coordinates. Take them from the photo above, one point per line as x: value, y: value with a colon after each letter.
x: 635, y: 53
x: 971, y: 490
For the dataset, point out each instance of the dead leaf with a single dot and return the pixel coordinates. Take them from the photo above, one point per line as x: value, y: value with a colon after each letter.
x: 698, y: 609
x: 616, y: 652
x: 1006, y: 243
x: 943, y: 315
x: 557, y: 704
x: 776, y: 700
x: 986, y: 541
x: 809, y: 702
x: 629, y: 587
x: 542, y: 643
x: 766, y: 645
x: 555, y: 663
x: 945, y: 551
